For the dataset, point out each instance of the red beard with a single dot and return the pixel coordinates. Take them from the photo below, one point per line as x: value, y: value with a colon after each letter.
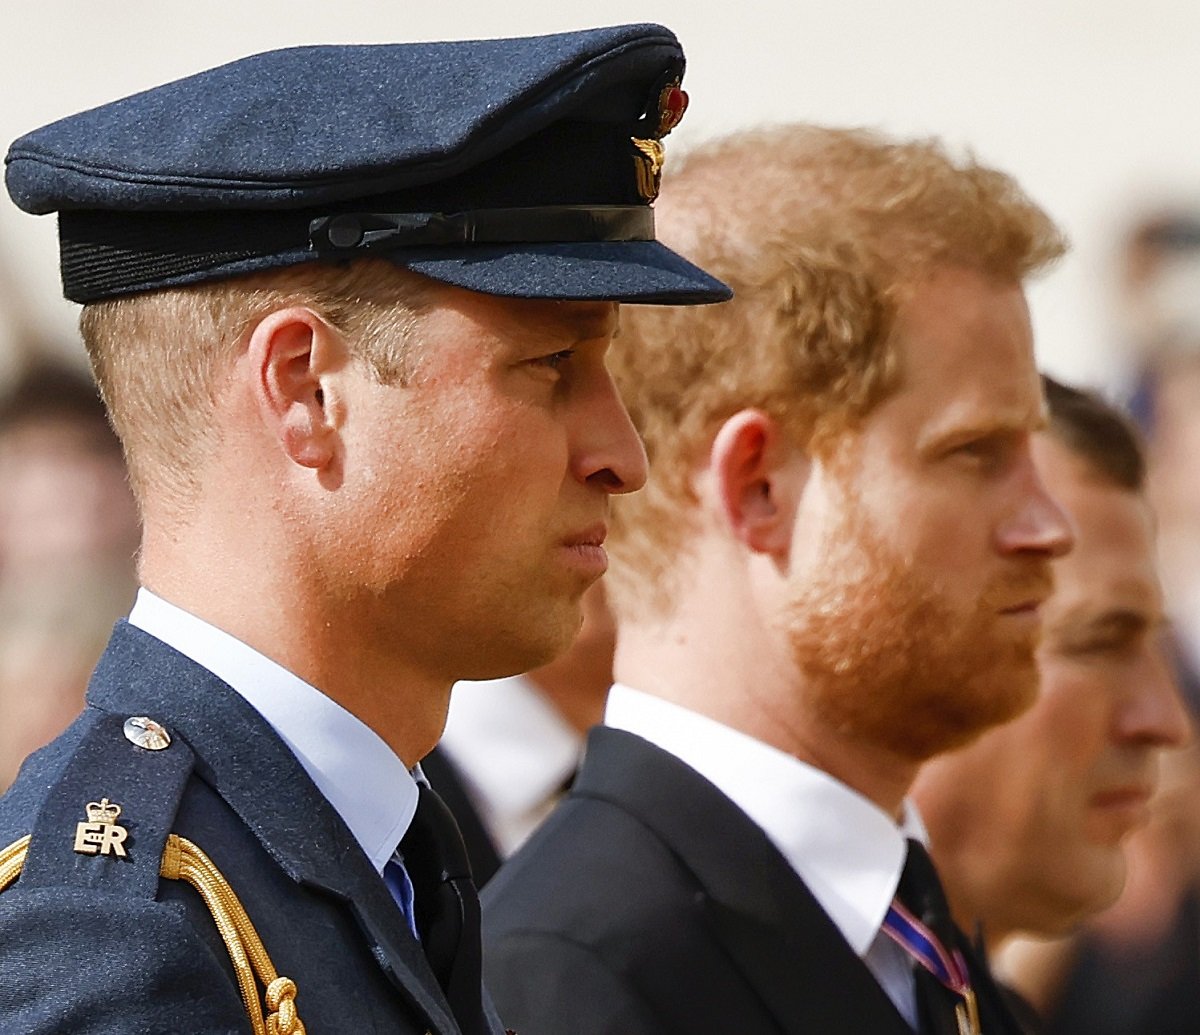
x: 889, y: 661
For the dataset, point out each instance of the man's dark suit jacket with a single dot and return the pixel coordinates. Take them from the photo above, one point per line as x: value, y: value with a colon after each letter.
x: 649, y: 904
x: 102, y: 944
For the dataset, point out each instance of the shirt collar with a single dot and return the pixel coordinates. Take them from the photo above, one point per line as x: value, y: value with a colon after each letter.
x: 512, y: 746
x: 847, y: 850
x: 359, y: 775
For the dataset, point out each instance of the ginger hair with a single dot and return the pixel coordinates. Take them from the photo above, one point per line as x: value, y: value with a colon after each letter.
x: 821, y: 233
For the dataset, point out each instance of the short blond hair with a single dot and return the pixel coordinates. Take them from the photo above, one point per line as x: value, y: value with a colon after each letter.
x: 820, y: 233
x: 160, y: 357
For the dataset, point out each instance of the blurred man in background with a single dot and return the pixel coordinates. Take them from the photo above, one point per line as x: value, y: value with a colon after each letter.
x: 1136, y: 967
x: 68, y: 534
x: 1027, y: 825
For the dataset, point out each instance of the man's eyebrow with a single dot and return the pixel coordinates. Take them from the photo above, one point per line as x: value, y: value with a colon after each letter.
x: 1116, y: 621
x: 584, y: 326
x: 951, y: 434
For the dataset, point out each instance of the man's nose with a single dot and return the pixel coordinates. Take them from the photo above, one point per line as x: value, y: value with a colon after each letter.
x: 608, y: 452
x: 1039, y: 525
x: 1152, y: 712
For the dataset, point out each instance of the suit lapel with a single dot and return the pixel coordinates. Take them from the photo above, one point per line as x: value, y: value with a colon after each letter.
x: 779, y: 938
x: 245, y: 762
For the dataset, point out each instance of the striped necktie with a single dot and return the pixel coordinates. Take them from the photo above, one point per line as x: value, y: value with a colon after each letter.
x: 919, y: 922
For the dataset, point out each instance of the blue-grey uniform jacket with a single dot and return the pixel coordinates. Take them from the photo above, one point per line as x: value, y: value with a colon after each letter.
x: 98, y: 942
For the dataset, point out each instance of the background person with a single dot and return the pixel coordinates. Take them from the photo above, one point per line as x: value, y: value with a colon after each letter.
x: 511, y: 746
x: 1028, y: 824
x: 68, y: 533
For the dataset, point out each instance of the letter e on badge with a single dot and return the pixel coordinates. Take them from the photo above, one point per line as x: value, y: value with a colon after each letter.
x: 100, y: 833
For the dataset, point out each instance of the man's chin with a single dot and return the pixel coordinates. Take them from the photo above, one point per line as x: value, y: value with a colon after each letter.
x: 956, y: 719
x: 548, y: 639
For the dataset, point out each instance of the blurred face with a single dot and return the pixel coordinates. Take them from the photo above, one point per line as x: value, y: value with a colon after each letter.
x: 480, y: 488
x: 1029, y: 820
x: 66, y: 498
x: 918, y: 607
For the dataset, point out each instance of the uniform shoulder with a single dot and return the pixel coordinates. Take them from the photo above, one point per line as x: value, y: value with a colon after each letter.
x: 80, y: 882
x: 98, y: 804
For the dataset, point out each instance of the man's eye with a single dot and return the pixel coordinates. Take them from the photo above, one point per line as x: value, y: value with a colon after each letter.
x: 1097, y: 646
x: 978, y: 448
x: 556, y: 360
x: 986, y: 454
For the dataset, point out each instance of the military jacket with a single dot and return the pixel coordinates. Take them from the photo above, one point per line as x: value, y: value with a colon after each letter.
x: 94, y: 939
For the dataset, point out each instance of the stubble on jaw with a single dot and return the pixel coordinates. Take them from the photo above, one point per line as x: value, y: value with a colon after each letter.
x: 888, y: 662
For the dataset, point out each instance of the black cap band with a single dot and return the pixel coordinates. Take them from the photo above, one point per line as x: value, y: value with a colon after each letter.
x: 105, y: 254
x: 549, y: 224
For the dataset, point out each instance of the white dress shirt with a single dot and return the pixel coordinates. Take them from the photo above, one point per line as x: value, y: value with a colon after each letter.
x: 514, y: 751
x: 847, y: 850
x: 360, y: 776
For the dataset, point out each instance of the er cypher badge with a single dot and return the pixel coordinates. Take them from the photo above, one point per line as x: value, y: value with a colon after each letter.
x: 101, y: 834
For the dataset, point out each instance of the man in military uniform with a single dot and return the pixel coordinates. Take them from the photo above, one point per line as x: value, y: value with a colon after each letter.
x: 349, y: 309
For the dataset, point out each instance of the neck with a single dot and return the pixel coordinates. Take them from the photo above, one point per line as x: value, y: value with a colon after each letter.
x: 738, y: 674
x: 272, y: 605
x: 970, y: 919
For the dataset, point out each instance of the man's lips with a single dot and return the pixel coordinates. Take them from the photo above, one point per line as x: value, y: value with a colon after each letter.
x: 1120, y: 809
x: 591, y: 536
x: 586, y: 548
x: 1128, y: 796
x: 1022, y: 596
x: 1025, y: 607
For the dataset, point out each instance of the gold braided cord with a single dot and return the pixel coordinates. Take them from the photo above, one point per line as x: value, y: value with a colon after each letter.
x: 12, y: 861
x: 181, y: 864
x: 182, y: 860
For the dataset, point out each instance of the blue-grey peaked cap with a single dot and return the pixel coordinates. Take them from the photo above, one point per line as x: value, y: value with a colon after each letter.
x: 504, y: 166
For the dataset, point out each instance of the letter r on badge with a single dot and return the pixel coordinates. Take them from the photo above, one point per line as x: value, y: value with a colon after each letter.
x: 100, y: 839
x: 100, y: 833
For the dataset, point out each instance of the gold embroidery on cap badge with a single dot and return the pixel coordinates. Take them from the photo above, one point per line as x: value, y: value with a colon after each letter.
x: 672, y: 103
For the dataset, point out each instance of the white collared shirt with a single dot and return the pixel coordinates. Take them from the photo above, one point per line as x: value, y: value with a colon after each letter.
x: 360, y: 776
x: 848, y: 851
x: 514, y: 751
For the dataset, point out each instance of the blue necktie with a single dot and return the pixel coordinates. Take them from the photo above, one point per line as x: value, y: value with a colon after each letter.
x: 396, y: 877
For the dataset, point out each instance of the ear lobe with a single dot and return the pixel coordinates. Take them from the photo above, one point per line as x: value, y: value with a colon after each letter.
x: 292, y: 351
x: 754, y: 467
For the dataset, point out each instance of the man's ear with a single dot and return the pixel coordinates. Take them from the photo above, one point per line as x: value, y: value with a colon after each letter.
x: 292, y: 352
x: 758, y: 476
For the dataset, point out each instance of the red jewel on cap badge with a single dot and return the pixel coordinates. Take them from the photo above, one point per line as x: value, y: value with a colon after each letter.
x: 672, y: 103
x: 649, y: 154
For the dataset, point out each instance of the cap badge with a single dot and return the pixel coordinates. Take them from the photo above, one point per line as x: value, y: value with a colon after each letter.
x: 100, y: 833
x: 649, y: 153
x: 672, y: 103
x: 648, y: 163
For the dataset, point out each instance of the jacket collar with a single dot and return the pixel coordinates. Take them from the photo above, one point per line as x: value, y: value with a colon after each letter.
x: 247, y: 764
x: 762, y: 913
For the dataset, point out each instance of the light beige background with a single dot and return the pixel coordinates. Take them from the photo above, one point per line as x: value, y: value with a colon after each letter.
x: 1093, y: 105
